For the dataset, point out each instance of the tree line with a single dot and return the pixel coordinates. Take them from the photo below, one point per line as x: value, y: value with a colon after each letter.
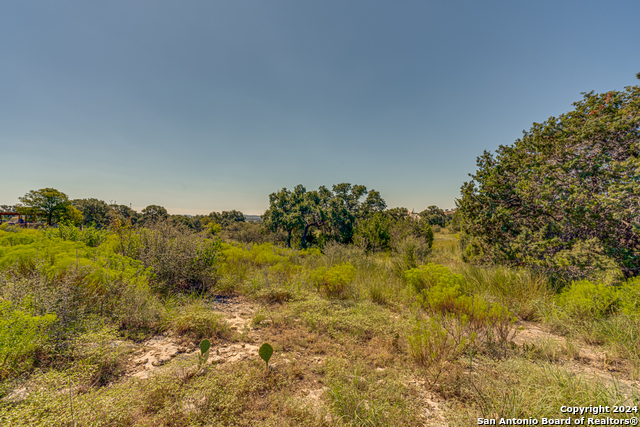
x: 54, y: 206
x: 346, y: 214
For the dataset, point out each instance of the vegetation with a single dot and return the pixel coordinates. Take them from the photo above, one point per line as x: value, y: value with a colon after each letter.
x: 564, y: 196
x: 381, y: 317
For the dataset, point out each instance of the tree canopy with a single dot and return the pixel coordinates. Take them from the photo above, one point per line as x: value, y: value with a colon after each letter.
x: 47, y: 202
x: 94, y: 211
x: 566, y: 195
x: 334, y: 212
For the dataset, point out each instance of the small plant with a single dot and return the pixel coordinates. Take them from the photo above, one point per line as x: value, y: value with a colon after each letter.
x: 205, y: 346
x: 197, y: 319
x: 265, y: 352
x: 258, y: 317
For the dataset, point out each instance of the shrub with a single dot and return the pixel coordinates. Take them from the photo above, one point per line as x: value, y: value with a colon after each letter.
x: 21, y: 334
x: 89, y: 235
x: 374, y: 233
x: 198, y: 320
x: 629, y: 297
x: 435, y: 346
x: 333, y: 281
x: 587, y: 300
x: 432, y: 275
x: 182, y: 260
x: 439, y: 291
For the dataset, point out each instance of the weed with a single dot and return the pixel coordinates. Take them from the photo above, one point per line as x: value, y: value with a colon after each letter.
x: 197, y: 319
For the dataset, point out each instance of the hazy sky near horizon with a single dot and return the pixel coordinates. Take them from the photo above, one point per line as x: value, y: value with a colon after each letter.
x: 212, y: 105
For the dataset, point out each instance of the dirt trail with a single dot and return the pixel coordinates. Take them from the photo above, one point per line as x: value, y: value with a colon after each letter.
x: 578, y: 358
x: 159, y: 350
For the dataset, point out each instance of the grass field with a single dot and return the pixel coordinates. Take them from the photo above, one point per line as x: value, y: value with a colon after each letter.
x: 359, y: 339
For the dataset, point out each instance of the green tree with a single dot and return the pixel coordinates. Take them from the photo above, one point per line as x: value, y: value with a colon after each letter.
x: 93, y: 211
x: 434, y: 216
x: 47, y: 202
x: 230, y: 217
x: 334, y: 213
x: 314, y: 211
x: 71, y: 215
x: 374, y: 232
x: 284, y: 213
x: 565, y: 195
x: 124, y: 213
x: 154, y: 213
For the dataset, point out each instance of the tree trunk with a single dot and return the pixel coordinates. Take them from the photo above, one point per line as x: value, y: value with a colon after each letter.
x: 303, y: 243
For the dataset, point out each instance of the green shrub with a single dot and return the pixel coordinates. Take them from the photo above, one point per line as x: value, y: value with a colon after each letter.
x: 89, y: 235
x: 21, y: 334
x: 431, y: 276
x: 181, y: 259
x: 439, y: 291
x: 334, y: 280
x: 629, y: 297
x: 587, y: 300
x: 436, y: 343
x: 374, y: 233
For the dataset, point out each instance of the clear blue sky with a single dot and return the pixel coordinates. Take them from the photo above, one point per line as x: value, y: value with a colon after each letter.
x: 212, y: 105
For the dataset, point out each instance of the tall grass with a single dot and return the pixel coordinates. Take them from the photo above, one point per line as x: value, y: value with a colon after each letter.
x: 520, y: 290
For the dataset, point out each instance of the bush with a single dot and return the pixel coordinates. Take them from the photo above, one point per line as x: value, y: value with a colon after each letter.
x: 374, y: 233
x: 333, y: 281
x: 21, y: 334
x: 89, y: 235
x: 588, y: 300
x: 198, y: 320
x: 629, y: 297
x: 439, y: 291
x: 432, y: 275
x: 182, y: 260
x: 435, y: 346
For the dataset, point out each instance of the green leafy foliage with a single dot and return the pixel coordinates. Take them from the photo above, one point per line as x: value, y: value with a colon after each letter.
x: 334, y: 213
x: 629, y: 297
x: 588, y: 300
x: 265, y: 352
x: 181, y: 259
x: 569, y: 181
x: 333, y: 281
x: 47, y: 202
x: 89, y: 235
x: 374, y: 233
x: 21, y: 334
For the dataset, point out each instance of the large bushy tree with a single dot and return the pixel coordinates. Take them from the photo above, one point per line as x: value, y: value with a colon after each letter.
x: 334, y: 212
x: 48, y: 202
x: 566, y: 195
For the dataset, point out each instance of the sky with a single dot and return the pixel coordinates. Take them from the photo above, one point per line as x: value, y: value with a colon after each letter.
x: 203, y: 106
